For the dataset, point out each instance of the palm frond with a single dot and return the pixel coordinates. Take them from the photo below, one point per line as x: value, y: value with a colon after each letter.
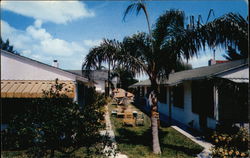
x: 211, y: 11
x: 128, y: 10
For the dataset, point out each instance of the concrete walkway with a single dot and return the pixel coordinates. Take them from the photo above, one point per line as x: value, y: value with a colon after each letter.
x: 110, y: 151
x: 207, y: 146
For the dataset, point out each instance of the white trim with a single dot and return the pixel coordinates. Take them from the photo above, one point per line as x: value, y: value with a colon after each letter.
x: 216, y: 105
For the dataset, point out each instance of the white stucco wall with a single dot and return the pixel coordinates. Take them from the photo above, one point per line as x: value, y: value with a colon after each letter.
x: 184, y: 115
x: 18, y: 68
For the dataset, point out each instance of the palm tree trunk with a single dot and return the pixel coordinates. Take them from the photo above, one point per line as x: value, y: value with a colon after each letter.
x: 155, y: 118
x: 154, y: 108
x: 156, y: 143
x: 108, y: 78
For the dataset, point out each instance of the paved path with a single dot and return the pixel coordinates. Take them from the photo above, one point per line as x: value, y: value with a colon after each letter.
x: 205, y: 153
x: 111, y: 151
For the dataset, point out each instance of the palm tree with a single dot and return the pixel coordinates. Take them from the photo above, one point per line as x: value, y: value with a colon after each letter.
x: 170, y: 40
x: 102, y: 54
x: 125, y: 77
x: 232, y: 54
x: 229, y: 31
x: 138, y: 6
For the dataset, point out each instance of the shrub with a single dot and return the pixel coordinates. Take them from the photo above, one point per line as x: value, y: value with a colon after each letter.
x: 57, y: 123
x: 230, y: 143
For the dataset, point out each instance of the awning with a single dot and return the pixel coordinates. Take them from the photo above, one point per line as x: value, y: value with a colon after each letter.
x: 32, y: 89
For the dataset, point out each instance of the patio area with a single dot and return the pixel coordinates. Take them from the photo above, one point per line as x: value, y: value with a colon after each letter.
x: 135, y: 141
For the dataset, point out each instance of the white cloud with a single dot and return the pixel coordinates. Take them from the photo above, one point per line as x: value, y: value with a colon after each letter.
x: 36, y: 43
x: 59, y: 12
x: 7, y: 28
x: 91, y: 43
x: 38, y: 23
x: 37, y: 32
x: 200, y: 61
x: 205, y: 56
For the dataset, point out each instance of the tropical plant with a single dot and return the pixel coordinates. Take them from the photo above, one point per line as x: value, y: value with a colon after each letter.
x: 229, y: 31
x: 160, y: 44
x: 138, y: 6
x: 232, y: 54
x: 99, y: 55
x: 125, y: 77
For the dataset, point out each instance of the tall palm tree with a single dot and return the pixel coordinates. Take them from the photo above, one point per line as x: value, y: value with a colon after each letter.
x: 138, y: 6
x: 170, y: 40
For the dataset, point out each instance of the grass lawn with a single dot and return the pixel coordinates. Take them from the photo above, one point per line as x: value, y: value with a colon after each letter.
x: 135, y: 142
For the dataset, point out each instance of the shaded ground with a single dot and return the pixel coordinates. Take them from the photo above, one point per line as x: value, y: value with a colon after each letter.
x: 80, y: 153
x: 136, y: 141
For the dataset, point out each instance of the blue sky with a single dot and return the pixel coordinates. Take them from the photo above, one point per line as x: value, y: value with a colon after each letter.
x: 66, y: 30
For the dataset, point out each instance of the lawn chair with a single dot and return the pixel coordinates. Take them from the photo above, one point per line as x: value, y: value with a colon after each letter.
x: 120, y: 112
x: 139, y: 119
x: 128, y: 119
x: 114, y: 113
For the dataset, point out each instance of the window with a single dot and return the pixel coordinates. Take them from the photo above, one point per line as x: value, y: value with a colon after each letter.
x: 138, y: 91
x: 163, y: 94
x: 178, y: 96
x: 203, y: 98
x: 142, y: 91
x: 149, y: 89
